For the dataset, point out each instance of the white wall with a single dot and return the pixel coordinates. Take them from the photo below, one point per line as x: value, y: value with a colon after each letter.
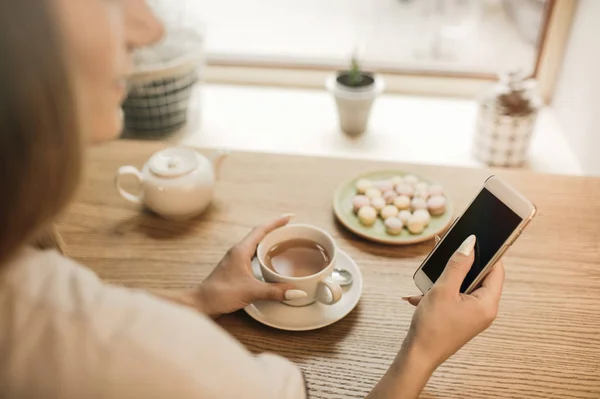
x: 577, y: 98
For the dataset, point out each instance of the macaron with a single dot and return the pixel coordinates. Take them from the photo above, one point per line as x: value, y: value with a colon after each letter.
x: 367, y: 215
x: 393, y: 226
x: 388, y: 211
x: 411, y: 179
x: 418, y: 203
x: 402, y: 202
x: 383, y: 185
x: 436, y: 205
x: 373, y: 192
x: 378, y: 203
x: 396, y: 180
x: 389, y: 196
x: 362, y: 185
x: 424, y: 215
x: 405, y: 189
x: 415, y: 225
x: 421, y: 194
x: 422, y: 186
x: 359, y: 201
x: 404, y: 215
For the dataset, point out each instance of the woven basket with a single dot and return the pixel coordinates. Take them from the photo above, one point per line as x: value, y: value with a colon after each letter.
x: 161, y: 88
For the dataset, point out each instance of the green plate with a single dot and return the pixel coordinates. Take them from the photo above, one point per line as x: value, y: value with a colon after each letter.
x: 342, y: 206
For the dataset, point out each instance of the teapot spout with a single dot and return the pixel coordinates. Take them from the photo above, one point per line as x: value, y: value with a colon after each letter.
x: 217, y: 160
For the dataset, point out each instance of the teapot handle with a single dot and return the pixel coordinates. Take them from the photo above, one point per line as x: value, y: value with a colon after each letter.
x: 128, y: 170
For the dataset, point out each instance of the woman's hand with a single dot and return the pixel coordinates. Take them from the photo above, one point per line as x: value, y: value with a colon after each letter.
x: 445, y: 319
x: 232, y: 286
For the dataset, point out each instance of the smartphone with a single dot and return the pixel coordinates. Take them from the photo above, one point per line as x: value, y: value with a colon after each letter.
x: 496, y: 216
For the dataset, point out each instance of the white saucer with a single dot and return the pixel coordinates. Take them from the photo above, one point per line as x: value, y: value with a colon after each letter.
x: 311, y: 317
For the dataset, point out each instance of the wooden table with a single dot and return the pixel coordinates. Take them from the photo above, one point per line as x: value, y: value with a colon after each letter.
x: 544, y: 344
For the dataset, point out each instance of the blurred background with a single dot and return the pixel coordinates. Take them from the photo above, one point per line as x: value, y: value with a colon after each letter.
x: 446, y: 36
x: 262, y: 68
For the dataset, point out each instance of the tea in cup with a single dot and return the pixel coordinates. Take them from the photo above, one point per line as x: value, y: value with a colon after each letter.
x: 303, y: 256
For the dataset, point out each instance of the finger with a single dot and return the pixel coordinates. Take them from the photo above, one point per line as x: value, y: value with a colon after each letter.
x: 491, y: 287
x: 258, y: 233
x: 413, y: 300
x: 276, y: 292
x: 459, y: 264
x: 437, y: 239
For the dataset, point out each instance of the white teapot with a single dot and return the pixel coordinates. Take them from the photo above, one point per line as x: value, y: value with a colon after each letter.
x: 176, y: 183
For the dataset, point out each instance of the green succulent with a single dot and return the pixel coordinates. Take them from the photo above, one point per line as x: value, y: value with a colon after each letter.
x: 355, y: 75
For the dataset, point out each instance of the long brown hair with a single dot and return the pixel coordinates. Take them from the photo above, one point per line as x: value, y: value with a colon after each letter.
x: 40, y: 148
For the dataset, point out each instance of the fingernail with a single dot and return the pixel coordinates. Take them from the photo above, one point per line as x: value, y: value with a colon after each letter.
x: 288, y: 215
x: 406, y: 298
x: 294, y: 294
x: 467, y: 246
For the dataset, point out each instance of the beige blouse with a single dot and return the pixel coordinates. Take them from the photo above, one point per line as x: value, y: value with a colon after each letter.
x: 65, y: 334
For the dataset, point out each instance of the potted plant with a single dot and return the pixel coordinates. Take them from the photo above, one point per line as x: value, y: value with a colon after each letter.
x: 354, y: 91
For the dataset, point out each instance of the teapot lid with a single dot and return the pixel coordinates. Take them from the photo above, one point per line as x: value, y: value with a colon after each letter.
x: 173, y: 162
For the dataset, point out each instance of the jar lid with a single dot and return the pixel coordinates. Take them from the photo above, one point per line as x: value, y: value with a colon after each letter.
x: 173, y: 162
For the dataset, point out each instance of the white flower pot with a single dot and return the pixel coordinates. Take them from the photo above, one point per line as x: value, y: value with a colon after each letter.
x: 354, y: 104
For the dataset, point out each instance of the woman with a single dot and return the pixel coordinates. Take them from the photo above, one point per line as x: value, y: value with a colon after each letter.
x: 64, y: 333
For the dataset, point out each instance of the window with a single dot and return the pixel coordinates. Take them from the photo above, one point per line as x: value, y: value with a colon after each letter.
x: 294, y: 42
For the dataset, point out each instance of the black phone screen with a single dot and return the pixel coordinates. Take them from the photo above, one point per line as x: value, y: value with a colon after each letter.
x: 491, y: 221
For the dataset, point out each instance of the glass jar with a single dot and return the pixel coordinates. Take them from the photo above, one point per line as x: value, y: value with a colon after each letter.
x: 506, y: 120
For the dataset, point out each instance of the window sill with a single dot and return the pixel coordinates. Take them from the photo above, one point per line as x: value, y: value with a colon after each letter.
x: 407, y: 129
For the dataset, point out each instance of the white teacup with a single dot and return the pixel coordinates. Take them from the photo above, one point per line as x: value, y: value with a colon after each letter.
x: 319, y: 286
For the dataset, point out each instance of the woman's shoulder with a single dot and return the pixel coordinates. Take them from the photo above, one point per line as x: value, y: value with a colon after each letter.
x: 49, y: 285
x: 46, y: 277
x: 50, y: 306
